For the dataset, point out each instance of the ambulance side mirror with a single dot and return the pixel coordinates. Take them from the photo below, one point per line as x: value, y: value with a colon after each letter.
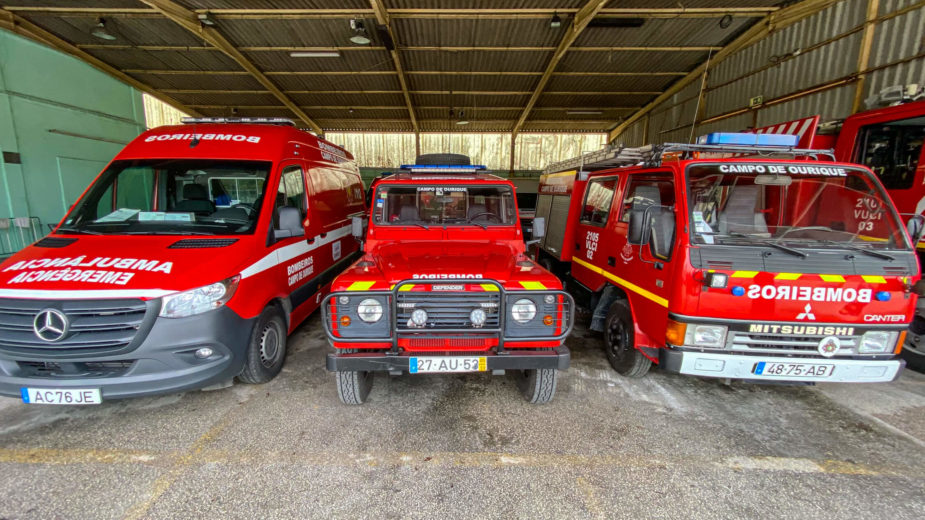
x: 358, y: 227
x: 290, y: 223
x: 916, y: 227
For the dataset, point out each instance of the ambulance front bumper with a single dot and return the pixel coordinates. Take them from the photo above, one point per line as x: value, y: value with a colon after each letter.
x: 737, y: 366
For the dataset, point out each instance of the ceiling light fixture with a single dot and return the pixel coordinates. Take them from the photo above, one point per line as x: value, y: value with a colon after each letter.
x: 462, y: 118
x: 725, y: 21
x: 315, y: 54
x: 205, y: 19
x: 360, y: 36
x: 100, y: 31
x: 555, y: 22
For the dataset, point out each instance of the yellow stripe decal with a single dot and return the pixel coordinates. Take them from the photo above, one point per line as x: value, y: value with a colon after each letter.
x: 788, y: 276
x: 533, y: 286
x: 360, y: 286
x: 832, y: 278
x: 487, y: 287
x: 620, y: 281
x: 873, y: 279
x: 407, y: 287
x: 744, y: 274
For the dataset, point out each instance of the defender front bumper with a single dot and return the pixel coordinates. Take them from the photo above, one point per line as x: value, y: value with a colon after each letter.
x: 737, y: 366
x: 557, y: 358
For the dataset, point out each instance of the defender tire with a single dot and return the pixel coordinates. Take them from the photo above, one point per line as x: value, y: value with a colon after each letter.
x: 456, y: 159
x: 266, y: 350
x: 538, y: 386
x: 620, y: 342
x: 353, y: 387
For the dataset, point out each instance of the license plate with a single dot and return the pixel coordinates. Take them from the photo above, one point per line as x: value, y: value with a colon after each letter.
x: 763, y: 368
x: 61, y: 395
x: 422, y: 365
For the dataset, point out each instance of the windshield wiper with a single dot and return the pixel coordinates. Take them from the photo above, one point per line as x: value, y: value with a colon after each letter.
x: 166, y: 233
x: 76, y: 230
x: 425, y: 226
x: 875, y: 254
x: 770, y: 243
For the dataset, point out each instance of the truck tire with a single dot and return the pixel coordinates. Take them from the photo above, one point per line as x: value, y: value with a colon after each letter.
x: 619, y: 342
x: 266, y: 351
x: 538, y: 386
x: 353, y: 387
x: 914, y: 349
x: 456, y: 159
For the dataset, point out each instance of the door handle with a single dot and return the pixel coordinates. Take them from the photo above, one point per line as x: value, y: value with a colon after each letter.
x: 577, y: 247
x: 611, y: 261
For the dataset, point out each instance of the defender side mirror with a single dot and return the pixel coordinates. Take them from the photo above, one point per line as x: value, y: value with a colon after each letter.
x: 290, y: 223
x: 358, y: 227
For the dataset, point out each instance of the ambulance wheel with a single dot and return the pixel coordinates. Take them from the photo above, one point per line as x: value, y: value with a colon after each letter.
x: 537, y: 385
x: 266, y: 351
x: 619, y: 342
x: 353, y: 387
x: 914, y: 349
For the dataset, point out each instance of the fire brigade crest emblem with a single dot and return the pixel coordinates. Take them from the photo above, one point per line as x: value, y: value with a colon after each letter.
x: 829, y: 346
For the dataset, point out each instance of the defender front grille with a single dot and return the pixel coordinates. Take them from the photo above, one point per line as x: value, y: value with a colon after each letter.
x: 447, y: 310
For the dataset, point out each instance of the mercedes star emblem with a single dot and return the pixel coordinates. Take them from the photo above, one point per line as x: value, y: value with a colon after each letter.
x: 50, y: 325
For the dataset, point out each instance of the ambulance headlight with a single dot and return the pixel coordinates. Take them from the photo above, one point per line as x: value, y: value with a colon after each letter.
x: 370, y: 310
x: 877, y: 342
x: 707, y: 336
x: 199, y: 300
x: 523, y: 310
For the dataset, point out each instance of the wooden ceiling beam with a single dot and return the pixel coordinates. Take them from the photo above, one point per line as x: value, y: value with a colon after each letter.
x: 171, y: 72
x: 186, y: 48
x: 426, y: 92
x: 189, y: 21
x: 399, y: 107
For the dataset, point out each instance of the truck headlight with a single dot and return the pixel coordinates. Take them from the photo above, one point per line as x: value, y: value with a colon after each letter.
x: 199, y: 300
x: 707, y: 336
x: 370, y: 310
x: 877, y: 342
x: 523, y: 310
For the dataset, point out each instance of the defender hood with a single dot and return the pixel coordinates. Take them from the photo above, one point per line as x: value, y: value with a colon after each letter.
x: 446, y: 260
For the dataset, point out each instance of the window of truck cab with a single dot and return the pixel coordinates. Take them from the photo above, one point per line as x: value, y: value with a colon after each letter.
x: 171, y: 196
x: 892, y: 150
x: 595, y: 209
x: 796, y: 205
x: 444, y: 205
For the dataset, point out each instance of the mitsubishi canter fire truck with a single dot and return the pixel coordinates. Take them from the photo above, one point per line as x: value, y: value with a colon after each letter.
x: 444, y: 286
x: 185, y: 264
x: 739, y: 258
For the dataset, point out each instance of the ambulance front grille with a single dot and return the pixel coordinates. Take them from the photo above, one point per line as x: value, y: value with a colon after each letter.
x: 757, y: 343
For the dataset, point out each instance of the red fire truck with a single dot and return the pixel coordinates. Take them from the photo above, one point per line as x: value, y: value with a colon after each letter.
x: 712, y: 263
x: 183, y: 265
x: 444, y: 286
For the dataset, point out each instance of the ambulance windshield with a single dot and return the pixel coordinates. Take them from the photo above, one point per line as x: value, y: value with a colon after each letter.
x: 172, y: 196
x: 482, y: 206
x: 791, y: 206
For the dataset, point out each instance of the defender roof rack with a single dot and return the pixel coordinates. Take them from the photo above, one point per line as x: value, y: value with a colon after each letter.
x: 445, y: 169
x: 281, y: 121
x: 651, y: 155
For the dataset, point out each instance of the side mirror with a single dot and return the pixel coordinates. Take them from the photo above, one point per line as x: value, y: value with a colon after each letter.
x: 916, y: 227
x: 539, y: 227
x: 358, y: 227
x: 639, y: 226
x: 290, y: 223
x: 661, y: 232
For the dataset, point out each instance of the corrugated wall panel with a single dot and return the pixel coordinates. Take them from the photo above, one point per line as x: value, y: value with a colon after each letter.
x: 830, y: 104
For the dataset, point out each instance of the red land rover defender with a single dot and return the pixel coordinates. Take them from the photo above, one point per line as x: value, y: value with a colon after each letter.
x: 184, y: 264
x: 714, y: 264
x: 444, y: 286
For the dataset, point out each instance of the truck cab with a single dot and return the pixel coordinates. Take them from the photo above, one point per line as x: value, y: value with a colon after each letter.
x: 708, y: 262
x: 444, y: 285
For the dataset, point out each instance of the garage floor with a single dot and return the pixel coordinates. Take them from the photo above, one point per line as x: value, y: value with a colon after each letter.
x: 468, y: 446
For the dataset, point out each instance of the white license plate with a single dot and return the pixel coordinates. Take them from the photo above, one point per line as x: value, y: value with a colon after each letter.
x: 422, y: 365
x: 766, y: 369
x: 61, y: 395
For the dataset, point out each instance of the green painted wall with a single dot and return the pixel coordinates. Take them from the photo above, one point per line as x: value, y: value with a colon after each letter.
x: 66, y: 120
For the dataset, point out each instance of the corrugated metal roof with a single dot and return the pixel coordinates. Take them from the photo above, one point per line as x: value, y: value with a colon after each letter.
x: 166, y: 60
x: 630, y: 61
x: 459, y: 82
x: 467, y: 61
x: 129, y: 31
x: 276, y: 4
x: 472, y: 30
x: 663, y: 33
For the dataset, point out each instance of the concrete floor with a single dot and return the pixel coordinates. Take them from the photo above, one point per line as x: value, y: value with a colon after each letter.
x: 468, y: 446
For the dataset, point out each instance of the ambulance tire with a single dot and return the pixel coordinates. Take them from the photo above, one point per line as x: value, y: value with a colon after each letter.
x: 538, y: 386
x: 619, y: 342
x: 353, y: 387
x: 266, y: 351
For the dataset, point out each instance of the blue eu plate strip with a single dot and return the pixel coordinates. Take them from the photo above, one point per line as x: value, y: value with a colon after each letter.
x: 25, y: 394
x: 759, y: 369
x: 412, y: 365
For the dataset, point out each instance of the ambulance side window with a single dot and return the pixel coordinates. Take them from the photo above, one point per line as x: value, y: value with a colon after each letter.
x: 292, y: 190
x: 598, y: 199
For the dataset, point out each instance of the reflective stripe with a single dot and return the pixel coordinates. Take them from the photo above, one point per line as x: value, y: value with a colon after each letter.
x: 873, y: 279
x: 620, y: 281
x: 832, y: 278
x: 788, y: 276
x: 284, y: 254
x: 487, y: 287
x: 744, y: 274
x: 360, y: 286
x: 533, y: 286
x: 404, y: 288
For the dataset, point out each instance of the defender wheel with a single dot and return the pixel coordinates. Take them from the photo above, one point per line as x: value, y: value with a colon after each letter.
x: 538, y: 386
x: 914, y: 348
x: 619, y: 342
x: 266, y: 351
x: 353, y: 387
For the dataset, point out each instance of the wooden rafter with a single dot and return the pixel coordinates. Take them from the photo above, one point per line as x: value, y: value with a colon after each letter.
x: 192, y: 72
x: 413, y: 48
x: 189, y: 21
x: 581, y: 20
x: 16, y: 24
x: 382, y: 18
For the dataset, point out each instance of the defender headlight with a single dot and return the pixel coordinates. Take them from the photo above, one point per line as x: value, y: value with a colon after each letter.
x: 877, y: 342
x: 370, y: 310
x: 707, y: 336
x: 523, y: 310
x: 199, y: 300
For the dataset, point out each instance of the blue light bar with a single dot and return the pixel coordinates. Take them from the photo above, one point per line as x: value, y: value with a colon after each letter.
x: 749, y: 139
x: 443, y: 168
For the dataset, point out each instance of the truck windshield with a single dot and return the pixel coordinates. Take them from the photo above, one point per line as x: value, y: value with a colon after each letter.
x: 791, y: 206
x: 172, y: 196
x: 445, y: 205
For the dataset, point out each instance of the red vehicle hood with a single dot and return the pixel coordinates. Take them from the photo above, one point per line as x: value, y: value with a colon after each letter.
x: 446, y: 260
x: 119, y: 266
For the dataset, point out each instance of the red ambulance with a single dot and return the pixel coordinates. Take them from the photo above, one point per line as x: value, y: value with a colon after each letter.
x: 711, y: 262
x: 184, y: 264
x: 444, y: 286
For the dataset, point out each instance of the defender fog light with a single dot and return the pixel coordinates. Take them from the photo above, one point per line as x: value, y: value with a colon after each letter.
x: 419, y: 317
x: 370, y: 310
x: 203, y: 352
x: 523, y: 310
x: 477, y: 317
x: 877, y: 342
x: 199, y: 300
x: 707, y: 336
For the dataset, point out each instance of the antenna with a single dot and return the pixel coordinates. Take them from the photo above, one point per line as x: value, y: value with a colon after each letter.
x: 703, y: 85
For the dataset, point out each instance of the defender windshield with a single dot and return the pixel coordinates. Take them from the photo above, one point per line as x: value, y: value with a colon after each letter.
x: 444, y: 205
x: 791, y: 206
x: 172, y: 196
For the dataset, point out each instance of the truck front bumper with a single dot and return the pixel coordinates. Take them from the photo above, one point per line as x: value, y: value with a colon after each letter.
x: 556, y: 358
x: 737, y: 366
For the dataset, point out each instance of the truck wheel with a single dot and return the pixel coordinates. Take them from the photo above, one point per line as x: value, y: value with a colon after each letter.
x: 538, y: 385
x: 619, y: 342
x: 914, y: 348
x: 456, y: 159
x: 353, y: 387
x: 266, y: 351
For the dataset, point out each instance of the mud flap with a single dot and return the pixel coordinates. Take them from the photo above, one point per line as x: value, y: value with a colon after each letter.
x: 651, y: 353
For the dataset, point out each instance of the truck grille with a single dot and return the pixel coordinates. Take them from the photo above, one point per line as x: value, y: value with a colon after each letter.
x: 94, y: 326
x: 448, y: 311
x: 799, y: 345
